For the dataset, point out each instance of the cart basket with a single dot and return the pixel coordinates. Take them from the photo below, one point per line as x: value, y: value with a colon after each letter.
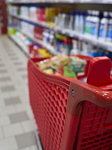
x: 71, y: 114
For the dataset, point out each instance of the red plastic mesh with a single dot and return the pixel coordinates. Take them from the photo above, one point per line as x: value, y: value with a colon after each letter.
x: 93, y: 134
x: 48, y: 101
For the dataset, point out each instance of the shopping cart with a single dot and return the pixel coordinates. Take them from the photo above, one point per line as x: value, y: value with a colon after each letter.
x: 69, y: 113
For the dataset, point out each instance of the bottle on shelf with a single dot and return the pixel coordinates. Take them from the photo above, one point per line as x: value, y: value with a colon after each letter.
x: 81, y: 22
x: 74, y: 51
x: 71, y: 22
x: 88, y: 23
x: 76, y: 22
x: 95, y: 24
x: 109, y: 30
x: 103, y: 26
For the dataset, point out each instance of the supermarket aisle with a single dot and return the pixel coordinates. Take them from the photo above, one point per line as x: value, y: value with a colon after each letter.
x: 17, y: 124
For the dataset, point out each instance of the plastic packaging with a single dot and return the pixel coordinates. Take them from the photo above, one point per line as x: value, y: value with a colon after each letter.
x: 74, y: 51
x: 71, y: 22
x: 81, y: 22
x: 33, y: 12
x: 63, y: 20
x: 103, y: 26
x: 88, y: 23
x: 41, y: 14
x: 77, y: 21
x: 95, y: 24
x: 85, y: 50
x: 109, y: 30
x: 24, y: 11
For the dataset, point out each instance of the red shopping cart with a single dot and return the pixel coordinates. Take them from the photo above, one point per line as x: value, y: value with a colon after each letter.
x: 69, y: 113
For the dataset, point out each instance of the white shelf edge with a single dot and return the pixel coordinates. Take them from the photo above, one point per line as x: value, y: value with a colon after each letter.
x: 70, y: 33
x: 63, y: 1
x: 13, y: 37
x: 43, y: 44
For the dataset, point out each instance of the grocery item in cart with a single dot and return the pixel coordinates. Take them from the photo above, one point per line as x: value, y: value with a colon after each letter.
x: 76, y: 64
x: 63, y: 65
x: 56, y: 60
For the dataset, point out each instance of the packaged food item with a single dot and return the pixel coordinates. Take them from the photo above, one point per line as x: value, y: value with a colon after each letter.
x: 33, y: 12
x: 49, y: 71
x: 69, y: 73
x: 59, y: 71
x: 62, y: 65
x: 76, y: 64
x: 56, y: 60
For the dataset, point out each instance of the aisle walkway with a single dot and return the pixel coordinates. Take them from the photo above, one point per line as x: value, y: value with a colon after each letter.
x: 17, y: 124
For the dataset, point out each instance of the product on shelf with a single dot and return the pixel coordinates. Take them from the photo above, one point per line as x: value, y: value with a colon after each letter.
x: 103, y: 26
x: 33, y: 12
x: 48, y: 36
x: 62, y: 44
x: 24, y: 11
x: 90, y: 23
x: 109, y: 29
x: 11, y: 30
x: 38, y: 33
x: 36, y: 51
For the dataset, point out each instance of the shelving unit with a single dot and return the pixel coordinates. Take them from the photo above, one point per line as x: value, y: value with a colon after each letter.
x: 70, y: 33
x: 101, y: 5
x: 62, y: 1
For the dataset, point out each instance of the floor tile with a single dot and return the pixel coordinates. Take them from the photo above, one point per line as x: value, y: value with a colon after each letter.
x: 18, y: 117
x: 30, y: 114
x: 6, y: 110
x: 34, y: 147
x: 1, y: 133
x: 24, y: 76
x: 3, y: 71
x: 29, y: 125
x: 21, y: 69
x: 18, y: 63
x: 4, y: 79
x: 12, y: 101
x: 7, y: 88
x: 8, y: 144
x: 2, y: 103
x: 12, y: 54
x: 28, y: 138
x: 4, y: 120
x: 12, y: 130
x: 22, y: 107
x: 14, y: 58
x: 2, y: 65
x: 27, y: 148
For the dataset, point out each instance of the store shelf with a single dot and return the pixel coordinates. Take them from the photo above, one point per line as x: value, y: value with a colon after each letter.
x: 61, y: 1
x: 19, y: 43
x: 70, y: 33
x: 47, y: 46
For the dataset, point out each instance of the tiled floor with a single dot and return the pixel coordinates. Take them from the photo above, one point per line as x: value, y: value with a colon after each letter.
x: 17, y: 125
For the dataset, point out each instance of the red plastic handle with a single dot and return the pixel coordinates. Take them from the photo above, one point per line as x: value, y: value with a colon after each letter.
x: 79, y: 92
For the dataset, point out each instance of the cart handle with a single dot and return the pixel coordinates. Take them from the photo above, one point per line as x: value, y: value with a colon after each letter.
x: 80, y: 92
